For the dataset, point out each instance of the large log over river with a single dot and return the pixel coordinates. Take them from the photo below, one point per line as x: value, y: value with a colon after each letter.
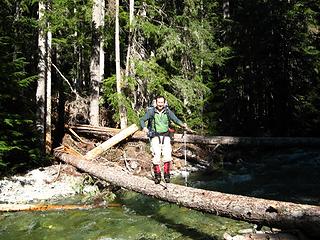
x: 283, y: 215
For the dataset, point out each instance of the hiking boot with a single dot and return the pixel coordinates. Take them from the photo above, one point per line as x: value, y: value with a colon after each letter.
x: 157, y: 174
x: 157, y: 178
x: 167, y: 178
x: 166, y: 172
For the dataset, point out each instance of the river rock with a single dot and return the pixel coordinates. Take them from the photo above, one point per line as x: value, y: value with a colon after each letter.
x: 42, y: 184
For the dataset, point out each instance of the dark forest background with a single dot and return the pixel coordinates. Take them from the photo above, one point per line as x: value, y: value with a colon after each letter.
x: 237, y: 68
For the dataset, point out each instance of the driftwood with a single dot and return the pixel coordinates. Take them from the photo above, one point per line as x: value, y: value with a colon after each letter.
x: 47, y: 207
x: 262, y: 236
x: 111, y: 142
x: 283, y: 215
x: 211, y: 140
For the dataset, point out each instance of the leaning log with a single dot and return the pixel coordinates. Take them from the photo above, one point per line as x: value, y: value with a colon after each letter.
x: 210, y: 140
x: 111, y: 142
x: 283, y: 215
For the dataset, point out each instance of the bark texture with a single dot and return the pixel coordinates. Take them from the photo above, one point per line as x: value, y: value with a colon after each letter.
x: 97, y: 59
x: 43, y: 93
x: 284, y: 215
x: 210, y: 140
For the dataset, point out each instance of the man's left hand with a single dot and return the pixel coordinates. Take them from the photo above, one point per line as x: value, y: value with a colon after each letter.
x: 187, y: 128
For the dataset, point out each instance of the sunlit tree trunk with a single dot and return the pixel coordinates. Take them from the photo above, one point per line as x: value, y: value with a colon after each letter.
x: 48, y: 94
x: 226, y: 8
x: 129, y: 65
x: 130, y: 68
x: 139, y: 53
x: 97, y: 59
x: 43, y: 94
x: 122, y: 109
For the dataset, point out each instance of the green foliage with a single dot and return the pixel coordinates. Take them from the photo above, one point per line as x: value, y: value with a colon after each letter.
x: 18, y: 147
x: 154, y: 74
x: 180, y: 51
x: 255, y: 73
x: 114, y: 99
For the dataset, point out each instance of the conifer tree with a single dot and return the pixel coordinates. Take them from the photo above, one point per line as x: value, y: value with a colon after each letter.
x: 18, y: 48
x: 97, y: 59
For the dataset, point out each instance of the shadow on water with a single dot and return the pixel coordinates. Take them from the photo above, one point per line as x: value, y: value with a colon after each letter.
x: 185, y: 230
x: 189, y: 224
x: 286, y: 175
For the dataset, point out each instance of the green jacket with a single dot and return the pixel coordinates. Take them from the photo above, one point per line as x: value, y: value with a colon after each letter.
x: 159, y: 121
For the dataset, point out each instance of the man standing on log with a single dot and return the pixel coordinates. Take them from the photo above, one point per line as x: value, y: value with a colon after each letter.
x: 158, y: 118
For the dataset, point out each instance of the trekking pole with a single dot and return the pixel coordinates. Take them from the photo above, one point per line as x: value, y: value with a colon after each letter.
x: 185, y: 172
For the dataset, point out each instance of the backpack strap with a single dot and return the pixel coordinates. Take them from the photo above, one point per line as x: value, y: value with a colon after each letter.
x: 151, y: 111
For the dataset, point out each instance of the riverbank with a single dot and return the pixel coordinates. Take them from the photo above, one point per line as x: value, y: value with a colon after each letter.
x: 44, y: 184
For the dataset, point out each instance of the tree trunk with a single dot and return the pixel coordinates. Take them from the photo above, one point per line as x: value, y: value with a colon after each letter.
x: 97, y: 59
x: 48, y: 139
x: 43, y: 94
x: 226, y: 9
x: 129, y: 65
x: 210, y: 140
x: 284, y: 215
x: 122, y: 109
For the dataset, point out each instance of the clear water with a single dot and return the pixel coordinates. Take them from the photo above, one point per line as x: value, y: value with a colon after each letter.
x: 140, y: 218
x: 294, y: 176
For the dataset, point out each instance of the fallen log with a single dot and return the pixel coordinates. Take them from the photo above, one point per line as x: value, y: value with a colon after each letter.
x: 283, y: 215
x: 210, y: 140
x: 47, y: 207
x: 111, y: 142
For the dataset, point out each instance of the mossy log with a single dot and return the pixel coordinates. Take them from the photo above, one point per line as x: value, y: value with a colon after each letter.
x: 283, y: 215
